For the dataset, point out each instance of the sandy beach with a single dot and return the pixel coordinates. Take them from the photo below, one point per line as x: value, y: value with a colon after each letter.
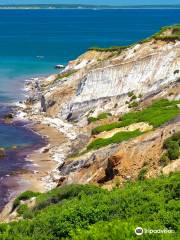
x: 42, y: 158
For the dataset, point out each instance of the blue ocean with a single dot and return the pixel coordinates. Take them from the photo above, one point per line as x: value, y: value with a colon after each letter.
x: 32, y: 42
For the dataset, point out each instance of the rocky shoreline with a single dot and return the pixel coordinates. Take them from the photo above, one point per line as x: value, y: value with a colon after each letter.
x: 68, y: 107
x: 52, y: 155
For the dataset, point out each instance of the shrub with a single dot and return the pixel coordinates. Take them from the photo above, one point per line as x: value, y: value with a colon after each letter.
x: 171, y: 144
x: 164, y: 160
x: 92, y: 119
x: 133, y: 98
x: 22, y: 209
x: 100, y: 214
x: 176, y: 137
x: 130, y: 94
x: 24, y: 196
x: 173, y: 150
x: 142, y: 173
x: 120, y: 230
x: 59, y: 194
x: 133, y: 104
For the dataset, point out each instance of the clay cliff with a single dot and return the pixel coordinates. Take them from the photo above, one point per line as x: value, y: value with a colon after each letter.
x: 89, y: 100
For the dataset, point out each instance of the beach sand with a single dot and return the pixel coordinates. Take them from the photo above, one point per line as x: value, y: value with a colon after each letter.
x: 42, y: 158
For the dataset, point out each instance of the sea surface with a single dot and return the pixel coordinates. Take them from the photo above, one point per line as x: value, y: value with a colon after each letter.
x: 32, y: 42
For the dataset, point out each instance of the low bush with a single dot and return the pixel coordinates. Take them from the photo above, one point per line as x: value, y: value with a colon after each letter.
x: 23, y: 197
x: 172, y: 144
x: 133, y: 105
x: 172, y: 148
x: 23, y: 208
x: 130, y: 94
x: 133, y: 98
x: 142, y: 173
x: 101, y: 214
x: 59, y: 194
x: 164, y: 160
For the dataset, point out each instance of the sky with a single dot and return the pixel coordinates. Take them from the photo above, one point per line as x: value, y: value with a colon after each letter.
x: 109, y: 2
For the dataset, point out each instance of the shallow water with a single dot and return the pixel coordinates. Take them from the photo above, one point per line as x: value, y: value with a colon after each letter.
x: 25, y: 140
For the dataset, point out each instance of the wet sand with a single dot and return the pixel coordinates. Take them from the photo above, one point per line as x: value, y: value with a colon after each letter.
x: 42, y: 158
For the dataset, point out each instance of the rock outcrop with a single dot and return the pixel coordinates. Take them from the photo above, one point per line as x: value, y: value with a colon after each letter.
x: 2, y: 153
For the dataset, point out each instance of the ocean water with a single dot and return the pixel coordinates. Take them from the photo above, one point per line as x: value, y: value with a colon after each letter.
x: 61, y: 35
x: 32, y: 42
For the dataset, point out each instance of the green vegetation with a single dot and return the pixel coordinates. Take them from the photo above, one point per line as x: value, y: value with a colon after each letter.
x: 175, y: 35
x: 172, y: 148
x: 157, y: 114
x: 130, y: 94
x: 110, y: 49
x: 133, y: 105
x: 65, y: 74
x: 133, y: 98
x: 164, y: 160
x: 143, y: 173
x: 99, y: 117
x: 88, y: 212
x: 117, y: 138
x: 22, y: 209
x: 23, y: 197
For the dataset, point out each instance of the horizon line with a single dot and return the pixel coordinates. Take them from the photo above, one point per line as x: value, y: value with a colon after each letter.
x: 82, y: 4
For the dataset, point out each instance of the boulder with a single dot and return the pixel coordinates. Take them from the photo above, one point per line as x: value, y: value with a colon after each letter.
x: 14, y: 147
x: 2, y: 152
x: 8, y: 116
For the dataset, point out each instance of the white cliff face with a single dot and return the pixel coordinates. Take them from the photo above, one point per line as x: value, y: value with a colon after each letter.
x: 99, y: 82
x: 142, y: 69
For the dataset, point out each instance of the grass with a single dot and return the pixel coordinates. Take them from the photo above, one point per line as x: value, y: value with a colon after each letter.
x: 86, y: 212
x: 110, y: 49
x: 99, y: 117
x: 157, y: 114
x: 157, y: 36
x: 117, y: 138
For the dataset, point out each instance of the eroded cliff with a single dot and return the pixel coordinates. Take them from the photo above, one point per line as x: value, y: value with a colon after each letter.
x: 94, y: 92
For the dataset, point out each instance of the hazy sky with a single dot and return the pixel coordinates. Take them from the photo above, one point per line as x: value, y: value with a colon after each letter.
x: 110, y: 2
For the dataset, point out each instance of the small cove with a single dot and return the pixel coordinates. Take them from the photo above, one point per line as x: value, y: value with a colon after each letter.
x: 18, y: 141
